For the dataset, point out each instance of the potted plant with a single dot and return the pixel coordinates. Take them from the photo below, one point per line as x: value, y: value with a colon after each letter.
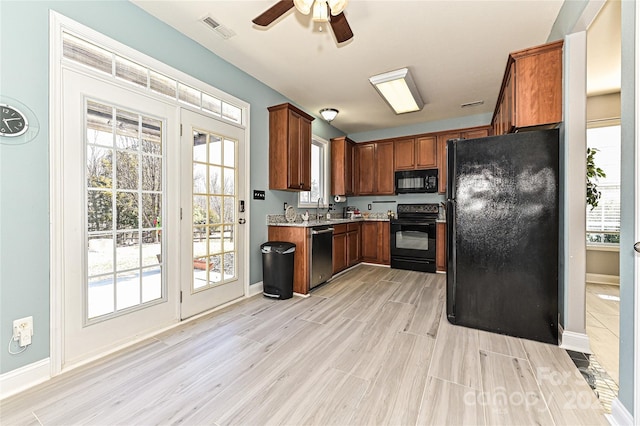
x: 593, y: 174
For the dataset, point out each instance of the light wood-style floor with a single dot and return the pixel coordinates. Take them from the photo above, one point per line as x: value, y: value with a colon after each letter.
x: 371, y: 347
x: 603, y: 325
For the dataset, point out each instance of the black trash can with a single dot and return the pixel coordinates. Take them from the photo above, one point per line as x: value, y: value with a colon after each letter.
x: 277, y: 269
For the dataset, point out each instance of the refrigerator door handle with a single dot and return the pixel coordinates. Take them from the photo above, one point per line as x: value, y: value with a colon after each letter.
x: 451, y: 168
x: 451, y: 260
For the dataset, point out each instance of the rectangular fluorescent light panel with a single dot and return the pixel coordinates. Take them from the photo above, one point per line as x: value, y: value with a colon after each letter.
x: 398, y: 90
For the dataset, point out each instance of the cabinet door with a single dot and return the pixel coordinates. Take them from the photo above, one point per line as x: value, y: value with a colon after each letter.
x: 383, y: 174
x: 538, y: 88
x: 294, y: 167
x: 441, y: 247
x: 404, y: 154
x: 338, y: 166
x: 353, y: 248
x: 508, y: 107
x: 366, y: 156
x: 425, y: 152
x: 442, y: 159
x: 385, y: 251
x: 349, y: 167
x: 339, y: 252
x: 476, y: 133
x: 369, y: 241
x: 305, y: 153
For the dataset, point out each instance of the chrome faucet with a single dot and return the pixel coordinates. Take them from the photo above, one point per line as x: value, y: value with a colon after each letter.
x: 317, y: 209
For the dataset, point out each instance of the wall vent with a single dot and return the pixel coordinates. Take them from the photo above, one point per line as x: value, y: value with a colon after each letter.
x: 222, y: 30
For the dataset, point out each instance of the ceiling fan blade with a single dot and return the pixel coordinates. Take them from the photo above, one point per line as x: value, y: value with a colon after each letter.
x: 341, y: 27
x: 273, y: 13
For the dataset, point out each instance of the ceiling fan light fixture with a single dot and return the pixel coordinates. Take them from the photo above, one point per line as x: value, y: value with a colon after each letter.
x: 329, y: 114
x: 303, y: 6
x: 398, y: 89
x: 337, y: 6
x: 320, y: 11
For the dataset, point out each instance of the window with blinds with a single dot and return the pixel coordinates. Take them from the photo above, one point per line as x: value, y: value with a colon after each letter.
x: 105, y: 61
x: 603, y: 222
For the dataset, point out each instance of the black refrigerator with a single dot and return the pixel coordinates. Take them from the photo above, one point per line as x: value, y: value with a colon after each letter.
x: 502, y: 234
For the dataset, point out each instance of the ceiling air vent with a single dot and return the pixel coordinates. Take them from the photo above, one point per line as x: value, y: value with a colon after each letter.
x: 222, y: 31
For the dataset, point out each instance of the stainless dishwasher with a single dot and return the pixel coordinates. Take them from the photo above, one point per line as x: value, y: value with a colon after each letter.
x: 321, y: 256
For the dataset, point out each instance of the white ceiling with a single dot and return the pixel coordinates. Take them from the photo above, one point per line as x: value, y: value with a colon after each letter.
x: 456, y: 51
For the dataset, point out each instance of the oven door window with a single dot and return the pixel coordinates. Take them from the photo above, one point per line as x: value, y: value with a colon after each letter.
x: 412, y: 239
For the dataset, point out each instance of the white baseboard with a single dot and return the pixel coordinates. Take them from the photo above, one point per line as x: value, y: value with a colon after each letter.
x: 579, y: 342
x: 620, y: 416
x: 24, y: 377
x: 255, y: 289
x: 603, y: 279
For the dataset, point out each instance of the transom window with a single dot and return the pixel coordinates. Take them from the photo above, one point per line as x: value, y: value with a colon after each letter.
x: 123, y: 69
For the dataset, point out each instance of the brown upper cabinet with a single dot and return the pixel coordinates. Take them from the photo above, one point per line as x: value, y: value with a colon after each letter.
x: 342, y: 166
x: 417, y: 152
x: 531, y: 92
x: 478, y: 132
x: 374, y: 162
x: 289, y: 148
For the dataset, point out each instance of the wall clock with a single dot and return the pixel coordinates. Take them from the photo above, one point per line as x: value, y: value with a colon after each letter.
x: 13, y: 122
x: 18, y: 124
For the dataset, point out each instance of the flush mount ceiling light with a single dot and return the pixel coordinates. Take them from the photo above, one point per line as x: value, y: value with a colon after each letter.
x: 329, y: 114
x: 398, y: 90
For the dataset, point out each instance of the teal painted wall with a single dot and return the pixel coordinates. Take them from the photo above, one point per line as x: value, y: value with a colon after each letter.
x: 628, y: 190
x: 24, y: 169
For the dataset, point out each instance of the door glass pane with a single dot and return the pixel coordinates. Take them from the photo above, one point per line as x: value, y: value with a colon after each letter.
x: 213, y: 210
x: 128, y: 289
x: 124, y: 209
x: 126, y: 170
x: 151, y: 284
x: 101, y: 296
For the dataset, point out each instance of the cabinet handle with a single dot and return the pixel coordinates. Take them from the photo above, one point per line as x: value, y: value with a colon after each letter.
x: 636, y: 246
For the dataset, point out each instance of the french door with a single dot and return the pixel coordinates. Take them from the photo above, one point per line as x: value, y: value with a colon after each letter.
x: 120, y: 211
x: 212, y: 256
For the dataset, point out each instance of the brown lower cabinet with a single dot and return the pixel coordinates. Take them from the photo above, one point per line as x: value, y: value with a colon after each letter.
x: 353, y: 244
x: 346, y: 246
x: 302, y: 239
x: 374, y: 239
x: 441, y: 247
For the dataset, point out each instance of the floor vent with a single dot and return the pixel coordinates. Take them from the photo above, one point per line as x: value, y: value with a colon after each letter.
x: 223, y: 31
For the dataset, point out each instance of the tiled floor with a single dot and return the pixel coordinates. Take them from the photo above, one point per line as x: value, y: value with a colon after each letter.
x: 373, y: 346
x: 603, y: 318
x: 603, y: 325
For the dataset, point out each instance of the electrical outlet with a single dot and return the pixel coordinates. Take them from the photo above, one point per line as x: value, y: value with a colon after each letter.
x: 23, y: 330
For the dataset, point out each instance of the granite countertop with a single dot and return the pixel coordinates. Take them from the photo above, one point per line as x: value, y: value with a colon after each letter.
x: 279, y: 220
x: 323, y: 222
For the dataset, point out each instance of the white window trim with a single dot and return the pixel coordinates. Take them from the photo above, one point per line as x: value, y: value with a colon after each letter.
x: 327, y: 177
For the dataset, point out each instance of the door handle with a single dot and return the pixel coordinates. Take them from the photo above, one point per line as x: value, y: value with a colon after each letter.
x: 636, y: 246
x: 323, y: 231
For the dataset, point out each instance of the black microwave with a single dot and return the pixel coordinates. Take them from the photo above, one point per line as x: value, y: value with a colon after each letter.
x: 415, y: 181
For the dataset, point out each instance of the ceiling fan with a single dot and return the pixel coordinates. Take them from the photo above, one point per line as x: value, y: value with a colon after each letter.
x: 331, y: 11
